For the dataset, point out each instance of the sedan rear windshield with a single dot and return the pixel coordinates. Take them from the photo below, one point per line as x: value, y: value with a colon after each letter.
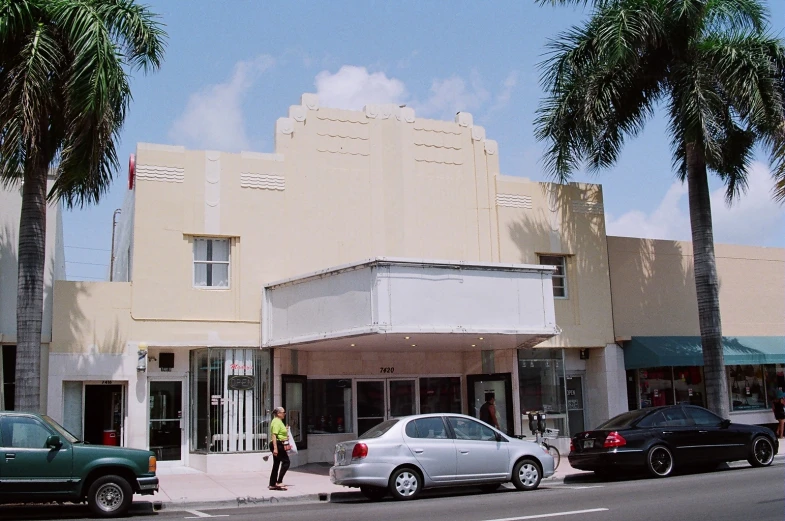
x: 624, y: 420
x: 378, y: 430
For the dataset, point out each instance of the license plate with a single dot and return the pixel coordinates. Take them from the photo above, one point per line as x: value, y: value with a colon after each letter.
x: 588, y: 444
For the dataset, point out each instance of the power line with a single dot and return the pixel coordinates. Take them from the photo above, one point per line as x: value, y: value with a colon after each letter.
x: 88, y: 263
x: 86, y: 248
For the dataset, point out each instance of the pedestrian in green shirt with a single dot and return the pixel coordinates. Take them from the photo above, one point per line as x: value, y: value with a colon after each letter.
x: 279, y: 443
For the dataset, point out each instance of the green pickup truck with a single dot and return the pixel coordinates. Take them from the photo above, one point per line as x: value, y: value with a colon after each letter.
x: 40, y: 461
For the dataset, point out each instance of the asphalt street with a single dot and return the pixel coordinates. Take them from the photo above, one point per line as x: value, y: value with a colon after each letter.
x: 730, y: 494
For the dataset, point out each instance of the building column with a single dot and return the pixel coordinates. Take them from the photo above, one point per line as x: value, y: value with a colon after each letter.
x: 607, y: 387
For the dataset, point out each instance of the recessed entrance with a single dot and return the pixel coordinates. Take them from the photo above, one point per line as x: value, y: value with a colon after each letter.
x: 104, y: 410
x: 382, y: 399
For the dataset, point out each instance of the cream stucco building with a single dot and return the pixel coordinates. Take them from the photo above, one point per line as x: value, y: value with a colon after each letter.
x: 54, y: 269
x: 377, y: 264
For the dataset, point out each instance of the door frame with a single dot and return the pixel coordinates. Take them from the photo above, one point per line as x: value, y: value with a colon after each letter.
x: 582, y: 376
x: 471, y: 379
x: 386, y: 382
x: 184, y: 420
x: 124, y: 385
x: 302, y: 380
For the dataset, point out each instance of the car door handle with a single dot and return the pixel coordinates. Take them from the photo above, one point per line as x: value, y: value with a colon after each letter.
x: 9, y: 456
x: 703, y: 432
x: 464, y: 452
x: 667, y: 432
x: 418, y: 451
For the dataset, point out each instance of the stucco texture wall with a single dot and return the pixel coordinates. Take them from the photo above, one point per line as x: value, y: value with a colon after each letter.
x: 653, y: 284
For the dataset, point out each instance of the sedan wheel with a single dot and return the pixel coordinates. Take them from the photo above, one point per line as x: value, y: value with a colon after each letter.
x: 526, y: 475
x: 762, y: 452
x: 405, y: 483
x: 659, y: 461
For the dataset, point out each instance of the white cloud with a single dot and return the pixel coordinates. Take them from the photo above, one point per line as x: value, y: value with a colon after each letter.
x: 354, y: 87
x: 753, y: 219
x: 504, y: 95
x: 213, y: 118
x: 453, y: 95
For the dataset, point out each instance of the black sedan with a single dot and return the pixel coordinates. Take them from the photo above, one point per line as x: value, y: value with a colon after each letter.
x: 661, y: 439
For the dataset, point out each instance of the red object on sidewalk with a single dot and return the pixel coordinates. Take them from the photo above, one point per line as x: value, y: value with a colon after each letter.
x: 110, y: 437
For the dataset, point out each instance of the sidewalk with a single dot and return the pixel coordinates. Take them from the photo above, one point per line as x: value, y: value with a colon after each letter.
x: 183, y: 488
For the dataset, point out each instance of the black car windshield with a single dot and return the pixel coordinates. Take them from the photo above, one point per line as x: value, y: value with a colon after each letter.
x: 623, y: 420
x: 378, y: 430
x: 67, y: 436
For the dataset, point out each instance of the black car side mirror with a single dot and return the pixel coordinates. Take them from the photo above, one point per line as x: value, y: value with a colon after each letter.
x: 54, y: 442
x: 724, y: 424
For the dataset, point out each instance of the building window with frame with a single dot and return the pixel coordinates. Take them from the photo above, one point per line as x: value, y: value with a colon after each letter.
x: 559, y: 276
x: 211, y: 263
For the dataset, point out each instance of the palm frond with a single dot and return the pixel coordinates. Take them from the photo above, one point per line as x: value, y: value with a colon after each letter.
x: 749, y: 68
x: 735, y: 15
x: 139, y: 31
x: 603, y: 80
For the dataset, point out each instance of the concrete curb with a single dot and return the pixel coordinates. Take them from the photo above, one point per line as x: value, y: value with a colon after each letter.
x: 323, y: 497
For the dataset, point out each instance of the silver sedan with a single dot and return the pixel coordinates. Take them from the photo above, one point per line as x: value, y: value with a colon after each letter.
x: 405, y: 455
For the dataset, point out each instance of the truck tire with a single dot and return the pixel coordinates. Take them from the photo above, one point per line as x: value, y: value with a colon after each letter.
x: 110, y: 496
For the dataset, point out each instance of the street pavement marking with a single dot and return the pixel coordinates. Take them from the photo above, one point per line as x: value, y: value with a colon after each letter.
x: 554, y: 514
x: 200, y: 515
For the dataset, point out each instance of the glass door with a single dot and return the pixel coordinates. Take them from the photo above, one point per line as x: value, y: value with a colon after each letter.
x: 380, y: 400
x: 495, y: 389
x: 166, y: 412
x: 575, y: 414
x: 370, y: 404
x: 294, y: 401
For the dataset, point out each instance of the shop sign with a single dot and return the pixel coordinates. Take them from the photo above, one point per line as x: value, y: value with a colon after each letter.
x: 217, y: 399
x: 241, y: 382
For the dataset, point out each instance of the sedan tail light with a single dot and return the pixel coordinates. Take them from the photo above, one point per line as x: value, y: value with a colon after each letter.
x: 359, y: 451
x: 572, y: 446
x: 614, y: 439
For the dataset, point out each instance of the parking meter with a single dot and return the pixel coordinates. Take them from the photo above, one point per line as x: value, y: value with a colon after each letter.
x: 532, y: 422
x: 541, y: 422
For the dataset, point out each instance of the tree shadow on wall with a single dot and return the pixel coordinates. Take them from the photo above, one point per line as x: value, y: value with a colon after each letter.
x: 574, y: 222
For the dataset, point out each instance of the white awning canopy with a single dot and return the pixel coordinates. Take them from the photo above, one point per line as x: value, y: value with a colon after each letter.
x: 404, y: 304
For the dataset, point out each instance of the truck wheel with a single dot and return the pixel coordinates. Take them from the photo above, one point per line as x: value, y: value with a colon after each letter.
x: 109, y: 496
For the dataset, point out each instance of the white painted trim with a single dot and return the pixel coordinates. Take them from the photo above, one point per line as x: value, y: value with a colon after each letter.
x: 402, y: 261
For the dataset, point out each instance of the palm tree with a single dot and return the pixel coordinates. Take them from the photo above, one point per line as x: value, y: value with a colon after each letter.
x: 64, y: 93
x: 720, y: 77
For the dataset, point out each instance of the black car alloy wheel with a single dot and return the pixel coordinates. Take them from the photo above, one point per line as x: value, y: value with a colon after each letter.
x: 660, y: 461
x: 762, y: 452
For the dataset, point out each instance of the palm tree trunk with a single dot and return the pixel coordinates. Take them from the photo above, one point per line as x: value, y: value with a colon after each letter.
x: 30, y: 290
x: 706, y: 282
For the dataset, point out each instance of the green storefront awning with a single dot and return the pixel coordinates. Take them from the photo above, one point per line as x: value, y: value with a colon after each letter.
x: 665, y: 351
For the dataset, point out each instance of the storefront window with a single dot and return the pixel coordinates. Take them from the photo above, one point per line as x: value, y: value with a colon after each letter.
x: 440, y: 395
x: 230, y: 400
x: 689, y: 386
x: 329, y: 406
x: 775, y: 381
x: 656, y: 386
x: 541, y: 380
x: 746, y: 387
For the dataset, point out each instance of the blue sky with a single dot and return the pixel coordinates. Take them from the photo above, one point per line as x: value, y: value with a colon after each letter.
x: 233, y: 68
